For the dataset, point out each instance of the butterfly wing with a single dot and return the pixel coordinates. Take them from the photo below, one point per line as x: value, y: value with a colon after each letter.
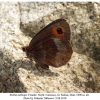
x: 47, y: 31
x: 57, y: 52
x: 51, y: 46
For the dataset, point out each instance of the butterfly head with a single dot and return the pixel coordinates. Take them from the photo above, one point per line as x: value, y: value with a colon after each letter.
x: 28, y: 52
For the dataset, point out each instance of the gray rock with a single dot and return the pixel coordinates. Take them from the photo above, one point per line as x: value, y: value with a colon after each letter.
x: 19, y: 22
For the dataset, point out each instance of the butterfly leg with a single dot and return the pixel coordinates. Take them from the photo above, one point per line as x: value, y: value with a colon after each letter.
x: 43, y: 66
x: 37, y: 66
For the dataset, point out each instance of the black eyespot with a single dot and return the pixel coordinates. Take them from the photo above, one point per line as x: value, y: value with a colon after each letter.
x: 59, y: 30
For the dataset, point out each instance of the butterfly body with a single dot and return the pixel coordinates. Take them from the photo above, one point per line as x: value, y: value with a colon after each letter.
x: 51, y: 46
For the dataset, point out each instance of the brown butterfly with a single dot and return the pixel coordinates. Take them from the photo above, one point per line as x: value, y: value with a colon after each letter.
x: 51, y: 46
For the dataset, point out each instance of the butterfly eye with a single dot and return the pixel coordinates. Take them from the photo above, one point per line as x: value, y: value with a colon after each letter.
x: 25, y: 48
x: 59, y: 30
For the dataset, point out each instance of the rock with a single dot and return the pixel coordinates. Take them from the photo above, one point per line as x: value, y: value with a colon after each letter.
x: 21, y: 21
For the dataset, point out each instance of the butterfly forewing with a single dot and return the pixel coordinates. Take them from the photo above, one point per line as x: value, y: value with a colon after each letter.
x: 46, y: 32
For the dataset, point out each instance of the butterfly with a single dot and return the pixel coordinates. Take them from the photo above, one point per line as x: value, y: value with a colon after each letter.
x: 51, y: 46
